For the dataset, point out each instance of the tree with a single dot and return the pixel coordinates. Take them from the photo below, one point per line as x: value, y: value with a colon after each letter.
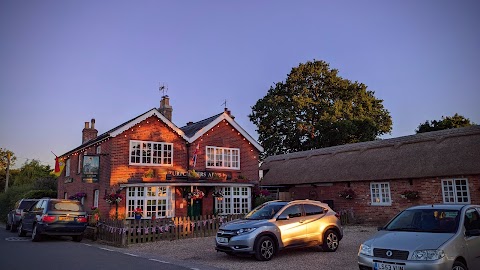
x: 448, y: 122
x: 3, y: 158
x: 31, y: 172
x: 316, y: 108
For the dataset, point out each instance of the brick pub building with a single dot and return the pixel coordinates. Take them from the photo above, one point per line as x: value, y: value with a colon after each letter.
x: 206, y: 167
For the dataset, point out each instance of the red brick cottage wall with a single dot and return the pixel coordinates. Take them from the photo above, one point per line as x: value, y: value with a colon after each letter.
x: 430, y: 192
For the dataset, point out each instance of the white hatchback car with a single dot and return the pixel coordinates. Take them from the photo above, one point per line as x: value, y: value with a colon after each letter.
x: 440, y: 237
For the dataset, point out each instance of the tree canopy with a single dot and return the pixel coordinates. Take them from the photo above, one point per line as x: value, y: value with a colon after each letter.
x: 3, y: 158
x: 448, y: 122
x: 316, y: 108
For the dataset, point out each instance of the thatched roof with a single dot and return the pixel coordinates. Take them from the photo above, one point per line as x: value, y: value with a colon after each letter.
x: 452, y: 152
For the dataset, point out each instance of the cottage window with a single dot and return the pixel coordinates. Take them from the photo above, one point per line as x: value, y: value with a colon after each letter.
x: 155, y: 201
x: 235, y: 200
x: 96, y: 195
x: 380, y: 193
x: 79, y: 164
x: 67, y: 168
x: 455, y: 191
x: 99, y: 149
x: 151, y: 153
x: 223, y: 158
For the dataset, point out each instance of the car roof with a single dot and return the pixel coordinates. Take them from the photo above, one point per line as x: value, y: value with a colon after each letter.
x: 442, y: 206
x: 300, y: 201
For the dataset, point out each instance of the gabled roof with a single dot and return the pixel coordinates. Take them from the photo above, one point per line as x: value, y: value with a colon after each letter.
x: 189, y: 133
x: 196, y: 130
x: 452, y: 152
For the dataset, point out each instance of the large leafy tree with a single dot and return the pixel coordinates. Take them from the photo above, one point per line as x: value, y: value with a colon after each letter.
x: 316, y: 108
x: 448, y: 122
x: 3, y: 158
x: 32, y: 172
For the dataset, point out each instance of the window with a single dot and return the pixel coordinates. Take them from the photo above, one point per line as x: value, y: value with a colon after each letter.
x: 219, y: 157
x: 380, y: 193
x: 67, y: 168
x: 455, y: 191
x: 293, y: 211
x: 236, y: 200
x: 99, y: 149
x: 155, y: 201
x: 311, y: 210
x: 151, y: 153
x: 472, y: 220
x: 65, y: 195
x: 96, y: 195
x: 79, y: 165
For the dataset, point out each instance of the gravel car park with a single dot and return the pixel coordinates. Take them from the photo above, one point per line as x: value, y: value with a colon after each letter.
x: 202, y: 251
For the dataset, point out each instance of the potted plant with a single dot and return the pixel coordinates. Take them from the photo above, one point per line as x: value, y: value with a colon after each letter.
x: 138, y: 213
x: 95, y: 214
x: 409, y: 194
x: 149, y: 174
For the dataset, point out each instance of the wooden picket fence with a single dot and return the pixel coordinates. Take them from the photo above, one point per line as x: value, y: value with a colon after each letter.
x: 126, y: 232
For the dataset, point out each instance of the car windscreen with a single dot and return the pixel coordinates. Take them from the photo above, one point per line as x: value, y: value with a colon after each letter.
x: 426, y: 220
x: 65, y: 206
x: 265, y: 211
x: 26, y: 204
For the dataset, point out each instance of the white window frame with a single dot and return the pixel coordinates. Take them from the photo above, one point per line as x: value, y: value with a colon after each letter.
x: 451, y: 189
x: 67, y: 168
x: 222, y: 157
x: 235, y: 200
x: 98, y: 150
x: 145, y: 156
x: 79, y: 165
x: 96, y: 195
x: 140, y: 196
x: 380, y: 193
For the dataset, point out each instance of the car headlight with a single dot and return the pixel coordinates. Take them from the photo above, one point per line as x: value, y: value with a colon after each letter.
x: 365, y: 250
x: 245, y: 230
x: 428, y: 255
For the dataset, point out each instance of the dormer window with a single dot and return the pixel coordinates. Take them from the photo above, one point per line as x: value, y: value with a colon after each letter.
x: 151, y: 153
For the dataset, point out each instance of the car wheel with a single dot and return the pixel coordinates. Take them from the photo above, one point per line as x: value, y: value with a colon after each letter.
x: 36, y: 237
x: 77, y: 238
x: 457, y: 265
x: 264, y: 248
x: 21, y: 232
x: 330, y: 241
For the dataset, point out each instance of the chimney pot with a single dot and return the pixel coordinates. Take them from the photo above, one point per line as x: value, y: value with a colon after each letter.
x: 93, y: 123
x: 87, y: 125
x: 190, y: 123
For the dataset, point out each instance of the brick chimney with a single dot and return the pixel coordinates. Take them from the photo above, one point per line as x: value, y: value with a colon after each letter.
x: 89, y: 132
x: 229, y: 113
x: 165, y: 108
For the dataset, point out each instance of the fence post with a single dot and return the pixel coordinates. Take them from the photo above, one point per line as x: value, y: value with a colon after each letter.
x: 124, y: 234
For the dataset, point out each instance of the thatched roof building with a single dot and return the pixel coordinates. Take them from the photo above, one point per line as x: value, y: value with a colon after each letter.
x: 433, y: 154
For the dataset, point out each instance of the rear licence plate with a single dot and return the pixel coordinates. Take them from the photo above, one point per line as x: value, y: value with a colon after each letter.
x: 65, y: 218
x: 387, y: 266
x: 222, y: 240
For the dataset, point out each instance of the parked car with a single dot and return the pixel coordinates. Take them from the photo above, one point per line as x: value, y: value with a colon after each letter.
x: 54, y: 217
x: 426, y: 237
x: 277, y: 225
x: 14, y: 216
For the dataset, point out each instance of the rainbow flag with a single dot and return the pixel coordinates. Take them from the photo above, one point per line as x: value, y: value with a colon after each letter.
x: 59, y: 165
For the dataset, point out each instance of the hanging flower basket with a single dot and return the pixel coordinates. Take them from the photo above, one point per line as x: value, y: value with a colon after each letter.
x: 113, y: 198
x: 410, y: 194
x: 196, y: 194
x: 348, y: 194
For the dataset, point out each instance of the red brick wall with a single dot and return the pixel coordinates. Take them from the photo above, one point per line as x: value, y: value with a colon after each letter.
x: 429, y: 189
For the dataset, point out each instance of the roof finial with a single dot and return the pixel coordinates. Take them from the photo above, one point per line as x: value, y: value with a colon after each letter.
x: 225, y: 104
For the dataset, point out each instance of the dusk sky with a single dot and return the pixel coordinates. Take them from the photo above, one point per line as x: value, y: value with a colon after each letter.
x: 63, y: 63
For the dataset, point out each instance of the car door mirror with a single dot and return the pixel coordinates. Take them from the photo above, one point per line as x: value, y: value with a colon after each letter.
x: 473, y: 232
x: 380, y: 228
x: 283, y: 217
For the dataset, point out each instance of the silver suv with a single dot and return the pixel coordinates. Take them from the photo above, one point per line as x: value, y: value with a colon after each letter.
x: 276, y: 225
x: 426, y: 237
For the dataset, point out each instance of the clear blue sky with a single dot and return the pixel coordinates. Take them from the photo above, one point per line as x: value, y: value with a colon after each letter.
x: 65, y: 62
